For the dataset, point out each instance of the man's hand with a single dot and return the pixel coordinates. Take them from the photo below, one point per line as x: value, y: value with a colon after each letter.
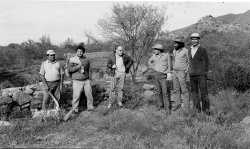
x: 169, y: 76
x: 114, y: 66
x: 79, y: 65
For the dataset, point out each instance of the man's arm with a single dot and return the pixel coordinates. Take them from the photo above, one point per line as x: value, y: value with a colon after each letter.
x: 42, y: 74
x: 61, y: 76
x: 90, y: 71
x: 150, y: 61
x: 187, y: 68
x: 206, y: 60
x: 46, y: 87
x: 73, y: 68
x: 109, y: 63
x: 169, y: 63
x: 130, y: 63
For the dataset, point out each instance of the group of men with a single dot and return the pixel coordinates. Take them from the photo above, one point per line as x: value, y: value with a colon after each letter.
x: 79, y: 68
x: 193, y: 62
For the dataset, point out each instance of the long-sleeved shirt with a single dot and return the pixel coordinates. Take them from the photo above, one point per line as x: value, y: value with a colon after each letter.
x: 160, y: 63
x: 181, y: 60
x: 76, y: 71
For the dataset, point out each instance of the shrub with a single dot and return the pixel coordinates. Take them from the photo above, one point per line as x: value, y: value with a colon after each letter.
x: 238, y: 77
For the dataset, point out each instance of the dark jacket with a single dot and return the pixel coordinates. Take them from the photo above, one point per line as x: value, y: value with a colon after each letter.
x: 127, y: 61
x: 75, y: 71
x: 199, y: 64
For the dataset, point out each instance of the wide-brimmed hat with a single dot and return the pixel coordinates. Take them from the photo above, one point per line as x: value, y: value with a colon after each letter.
x: 158, y: 47
x: 195, y: 35
x: 50, y: 52
x: 179, y: 39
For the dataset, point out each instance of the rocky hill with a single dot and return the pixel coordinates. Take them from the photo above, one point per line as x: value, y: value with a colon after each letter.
x: 226, y: 23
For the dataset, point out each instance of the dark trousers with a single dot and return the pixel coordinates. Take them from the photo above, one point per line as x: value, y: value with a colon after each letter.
x: 199, y: 82
x: 161, y: 92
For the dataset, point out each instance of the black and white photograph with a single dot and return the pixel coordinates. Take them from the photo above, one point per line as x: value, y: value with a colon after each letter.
x: 125, y: 74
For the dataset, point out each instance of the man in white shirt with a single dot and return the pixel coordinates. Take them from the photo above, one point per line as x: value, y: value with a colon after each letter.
x: 52, y: 76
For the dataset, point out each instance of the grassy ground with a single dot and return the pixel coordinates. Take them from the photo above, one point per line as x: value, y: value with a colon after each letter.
x: 138, y: 125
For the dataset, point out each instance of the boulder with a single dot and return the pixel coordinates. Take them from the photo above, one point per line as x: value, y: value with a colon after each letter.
x: 148, y: 87
x: 38, y: 94
x: 246, y: 120
x: 10, y: 91
x: 4, y: 100
x: 148, y: 94
x: 21, y: 97
x: 28, y: 91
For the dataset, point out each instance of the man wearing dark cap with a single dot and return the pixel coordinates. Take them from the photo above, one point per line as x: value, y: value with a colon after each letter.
x: 198, y: 69
x: 180, y: 70
x: 161, y: 63
x: 79, y: 67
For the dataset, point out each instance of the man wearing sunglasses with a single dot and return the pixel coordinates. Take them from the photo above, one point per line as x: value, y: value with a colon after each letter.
x: 52, y: 76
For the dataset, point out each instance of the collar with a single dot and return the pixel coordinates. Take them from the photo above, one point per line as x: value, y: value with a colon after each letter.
x: 118, y: 56
x: 51, y: 62
x: 160, y: 54
x: 192, y: 47
x: 83, y: 56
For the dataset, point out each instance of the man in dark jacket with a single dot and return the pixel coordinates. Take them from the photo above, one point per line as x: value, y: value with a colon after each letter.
x: 198, y: 69
x: 119, y: 64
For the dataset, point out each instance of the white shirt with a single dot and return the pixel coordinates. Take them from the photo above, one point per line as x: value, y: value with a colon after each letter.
x: 51, y: 70
x: 120, y: 68
x: 194, y: 50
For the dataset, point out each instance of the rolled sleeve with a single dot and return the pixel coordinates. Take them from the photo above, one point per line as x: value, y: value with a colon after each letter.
x: 42, y: 70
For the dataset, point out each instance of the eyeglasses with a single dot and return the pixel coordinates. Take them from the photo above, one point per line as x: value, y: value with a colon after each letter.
x: 51, y: 55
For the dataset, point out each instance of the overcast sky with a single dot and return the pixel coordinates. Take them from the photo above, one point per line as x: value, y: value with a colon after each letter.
x: 23, y: 20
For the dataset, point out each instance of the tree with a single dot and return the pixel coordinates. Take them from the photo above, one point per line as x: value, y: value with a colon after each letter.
x: 136, y: 27
x: 69, y: 43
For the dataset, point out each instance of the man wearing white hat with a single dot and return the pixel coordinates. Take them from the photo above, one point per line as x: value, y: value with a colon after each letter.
x: 52, y: 76
x: 161, y: 63
x: 180, y: 70
x: 198, y: 69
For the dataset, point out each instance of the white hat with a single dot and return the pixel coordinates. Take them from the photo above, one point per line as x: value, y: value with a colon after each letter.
x: 50, y: 52
x: 195, y: 35
x: 158, y: 46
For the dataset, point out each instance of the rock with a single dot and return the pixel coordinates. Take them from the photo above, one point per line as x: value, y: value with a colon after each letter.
x: 148, y: 94
x: 21, y: 97
x: 4, y: 100
x: 10, y: 91
x: 148, y: 87
x: 41, y: 83
x: 28, y: 91
x: 246, y: 120
x: 38, y: 94
x: 5, y: 123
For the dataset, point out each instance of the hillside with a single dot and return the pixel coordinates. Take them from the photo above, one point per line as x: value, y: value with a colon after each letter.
x: 229, y: 18
x: 225, y: 23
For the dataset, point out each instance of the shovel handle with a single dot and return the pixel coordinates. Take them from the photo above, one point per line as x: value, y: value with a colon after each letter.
x: 55, y: 100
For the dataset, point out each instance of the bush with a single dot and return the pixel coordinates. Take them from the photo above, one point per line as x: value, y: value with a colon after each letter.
x: 238, y: 77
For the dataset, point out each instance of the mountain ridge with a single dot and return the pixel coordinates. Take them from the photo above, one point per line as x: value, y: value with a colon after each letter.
x: 225, y: 23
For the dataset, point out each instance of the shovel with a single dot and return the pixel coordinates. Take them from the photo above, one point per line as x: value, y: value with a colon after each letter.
x: 47, y: 113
